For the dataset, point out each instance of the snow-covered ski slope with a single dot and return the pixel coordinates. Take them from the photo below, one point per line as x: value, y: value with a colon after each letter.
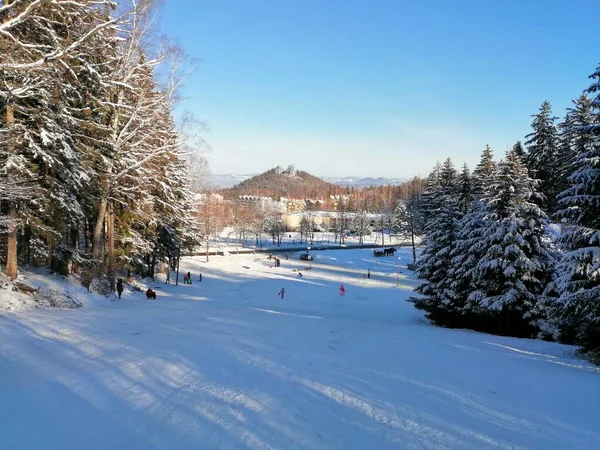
x: 227, y: 364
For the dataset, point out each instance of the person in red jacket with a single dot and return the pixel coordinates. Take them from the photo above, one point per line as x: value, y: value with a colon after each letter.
x: 342, y: 290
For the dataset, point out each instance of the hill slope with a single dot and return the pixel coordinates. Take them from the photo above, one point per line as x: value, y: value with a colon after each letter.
x: 279, y: 182
x: 227, y: 364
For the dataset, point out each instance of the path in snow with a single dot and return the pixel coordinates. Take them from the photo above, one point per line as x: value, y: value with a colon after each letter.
x: 227, y: 364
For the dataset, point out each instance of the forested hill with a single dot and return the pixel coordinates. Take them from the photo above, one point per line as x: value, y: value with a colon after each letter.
x: 279, y: 182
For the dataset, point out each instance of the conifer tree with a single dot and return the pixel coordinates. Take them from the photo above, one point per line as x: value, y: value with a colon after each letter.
x: 574, y: 137
x: 517, y: 259
x: 37, y: 141
x: 483, y: 173
x: 543, y: 155
x: 440, y: 233
x: 578, y: 280
x: 432, y: 184
x: 519, y: 151
x: 465, y: 189
x: 468, y: 246
x: 466, y: 253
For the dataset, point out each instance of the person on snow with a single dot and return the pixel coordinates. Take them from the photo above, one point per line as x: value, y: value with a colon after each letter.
x: 368, y: 273
x: 150, y: 294
x: 185, y: 278
x: 300, y: 274
x: 281, y: 293
x: 189, y: 275
x: 200, y: 278
x: 120, y: 286
x: 342, y: 290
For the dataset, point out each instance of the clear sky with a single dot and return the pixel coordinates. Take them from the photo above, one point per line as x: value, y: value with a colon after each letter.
x: 377, y: 87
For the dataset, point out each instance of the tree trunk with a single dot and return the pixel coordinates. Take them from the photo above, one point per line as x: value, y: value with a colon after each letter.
x: 414, y: 250
x: 152, y: 264
x: 98, y: 231
x: 110, y: 235
x: 50, y: 241
x: 11, y: 251
x: 11, y: 268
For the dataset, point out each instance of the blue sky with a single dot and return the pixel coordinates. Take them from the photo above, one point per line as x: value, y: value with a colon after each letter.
x: 376, y: 88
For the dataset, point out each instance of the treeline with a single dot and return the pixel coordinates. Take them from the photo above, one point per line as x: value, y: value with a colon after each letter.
x: 91, y: 170
x: 489, y: 262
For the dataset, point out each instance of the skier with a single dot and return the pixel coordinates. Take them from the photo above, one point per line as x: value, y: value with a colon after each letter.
x: 189, y: 275
x: 281, y: 293
x: 342, y: 290
x: 368, y: 273
x: 300, y: 274
x: 120, y: 286
x: 200, y: 278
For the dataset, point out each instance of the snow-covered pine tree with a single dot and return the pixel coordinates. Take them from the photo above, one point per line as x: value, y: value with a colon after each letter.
x: 432, y: 184
x: 466, y: 253
x: 519, y: 150
x: 468, y: 246
x: 517, y: 260
x: 38, y: 45
x: 483, y: 173
x: 578, y: 280
x: 574, y: 137
x: 440, y: 232
x: 465, y: 189
x: 543, y: 155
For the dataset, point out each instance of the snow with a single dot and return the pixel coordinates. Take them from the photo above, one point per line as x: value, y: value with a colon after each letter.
x: 52, y: 290
x: 226, y: 363
x: 226, y: 241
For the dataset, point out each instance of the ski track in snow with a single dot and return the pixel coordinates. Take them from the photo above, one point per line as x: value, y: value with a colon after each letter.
x: 227, y: 364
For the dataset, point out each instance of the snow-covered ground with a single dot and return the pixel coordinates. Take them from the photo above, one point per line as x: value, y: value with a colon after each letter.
x: 226, y: 241
x: 226, y: 363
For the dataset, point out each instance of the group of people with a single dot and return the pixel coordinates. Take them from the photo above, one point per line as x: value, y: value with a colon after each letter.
x: 187, y: 279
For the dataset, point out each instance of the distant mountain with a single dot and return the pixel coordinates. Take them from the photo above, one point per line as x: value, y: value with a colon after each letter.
x: 280, y: 182
x: 358, y: 182
x: 229, y: 180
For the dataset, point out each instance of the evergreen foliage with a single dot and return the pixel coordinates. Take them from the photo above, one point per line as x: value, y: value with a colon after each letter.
x: 87, y: 138
x: 578, y: 274
x: 517, y: 259
x: 465, y: 189
x: 440, y: 232
x: 543, y: 160
x: 483, y: 173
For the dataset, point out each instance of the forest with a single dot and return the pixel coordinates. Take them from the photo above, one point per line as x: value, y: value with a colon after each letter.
x: 493, y: 259
x: 92, y: 163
